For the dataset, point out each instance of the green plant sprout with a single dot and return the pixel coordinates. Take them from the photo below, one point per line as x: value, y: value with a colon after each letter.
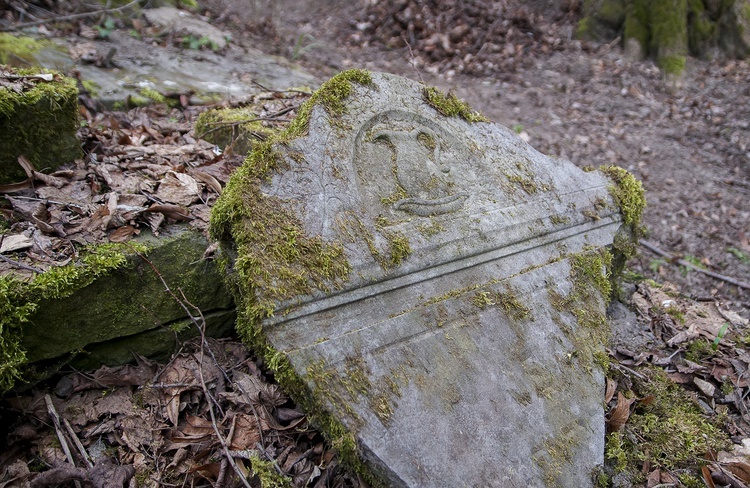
x: 300, y: 48
x: 739, y: 255
x: 655, y: 264
x: 106, y: 28
x: 192, y: 42
x: 720, y: 336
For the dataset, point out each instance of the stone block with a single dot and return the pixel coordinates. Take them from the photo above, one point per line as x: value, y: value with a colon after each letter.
x: 428, y: 286
x: 38, y: 119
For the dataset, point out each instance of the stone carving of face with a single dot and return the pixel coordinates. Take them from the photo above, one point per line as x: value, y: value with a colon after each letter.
x: 419, y: 163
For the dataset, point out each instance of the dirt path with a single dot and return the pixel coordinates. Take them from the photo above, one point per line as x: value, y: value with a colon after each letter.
x: 690, y: 146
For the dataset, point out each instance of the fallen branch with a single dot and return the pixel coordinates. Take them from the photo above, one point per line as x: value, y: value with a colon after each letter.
x: 673, y: 259
x: 64, y: 18
x: 60, y: 436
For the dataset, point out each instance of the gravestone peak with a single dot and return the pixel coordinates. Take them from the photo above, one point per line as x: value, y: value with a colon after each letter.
x: 428, y: 286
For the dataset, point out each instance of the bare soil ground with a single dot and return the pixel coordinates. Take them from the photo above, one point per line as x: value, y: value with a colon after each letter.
x: 690, y: 145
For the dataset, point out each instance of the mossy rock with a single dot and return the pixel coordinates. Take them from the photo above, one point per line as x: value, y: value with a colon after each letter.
x: 236, y: 128
x: 109, y: 304
x: 18, y: 50
x: 39, y: 121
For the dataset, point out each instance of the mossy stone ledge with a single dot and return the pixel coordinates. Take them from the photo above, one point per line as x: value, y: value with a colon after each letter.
x: 108, y: 304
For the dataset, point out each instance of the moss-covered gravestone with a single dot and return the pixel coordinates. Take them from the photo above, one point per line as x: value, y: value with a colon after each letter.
x: 38, y: 120
x: 428, y: 286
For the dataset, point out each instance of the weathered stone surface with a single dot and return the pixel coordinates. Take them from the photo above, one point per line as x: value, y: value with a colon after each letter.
x: 457, y: 328
x: 129, y: 310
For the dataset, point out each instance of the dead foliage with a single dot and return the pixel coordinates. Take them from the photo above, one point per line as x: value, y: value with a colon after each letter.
x: 701, y: 347
x: 144, y: 169
x: 473, y: 37
x: 170, y: 424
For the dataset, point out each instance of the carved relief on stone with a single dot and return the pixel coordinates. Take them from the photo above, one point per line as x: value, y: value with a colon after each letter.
x: 413, y: 161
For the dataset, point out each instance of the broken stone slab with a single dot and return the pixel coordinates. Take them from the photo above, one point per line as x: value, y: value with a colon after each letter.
x: 141, y: 69
x: 428, y: 286
x: 124, y: 308
x: 38, y: 120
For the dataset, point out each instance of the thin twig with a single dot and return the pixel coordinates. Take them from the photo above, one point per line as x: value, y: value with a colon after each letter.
x: 70, y: 17
x: 412, y: 59
x: 47, y: 202
x: 651, y: 247
x: 77, y: 442
x: 202, y: 329
x: 278, y: 91
x: 21, y: 265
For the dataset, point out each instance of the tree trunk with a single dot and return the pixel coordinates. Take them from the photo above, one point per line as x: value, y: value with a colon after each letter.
x: 670, y: 30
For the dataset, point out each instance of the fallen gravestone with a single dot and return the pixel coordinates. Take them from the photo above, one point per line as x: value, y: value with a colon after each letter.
x: 428, y: 286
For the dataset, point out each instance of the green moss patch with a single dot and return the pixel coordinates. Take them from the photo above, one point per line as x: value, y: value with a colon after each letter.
x: 590, y: 277
x: 450, y: 106
x: 20, y: 299
x: 238, y: 128
x: 330, y: 96
x: 19, y: 50
x: 39, y: 122
x: 669, y: 431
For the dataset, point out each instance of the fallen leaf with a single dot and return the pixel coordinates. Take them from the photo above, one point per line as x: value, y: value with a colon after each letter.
x: 174, y: 212
x: 620, y: 414
x: 14, y: 242
x: 123, y: 234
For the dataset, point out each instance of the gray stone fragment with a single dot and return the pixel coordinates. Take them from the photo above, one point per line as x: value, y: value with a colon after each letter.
x: 464, y: 346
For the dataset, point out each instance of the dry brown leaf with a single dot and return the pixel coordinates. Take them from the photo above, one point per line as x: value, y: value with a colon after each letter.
x: 28, y: 168
x: 179, y: 189
x: 174, y: 212
x: 620, y: 414
x: 208, y: 180
x: 123, y: 234
x: 15, y: 242
x: 706, y: 474
x: 246, y: 434
x: 610, y: 392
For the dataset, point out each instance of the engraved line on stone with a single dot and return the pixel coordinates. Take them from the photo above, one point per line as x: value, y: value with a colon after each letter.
x: 377, y: 288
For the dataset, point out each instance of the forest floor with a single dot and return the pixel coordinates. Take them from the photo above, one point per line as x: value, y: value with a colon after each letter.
x: 689, y: 143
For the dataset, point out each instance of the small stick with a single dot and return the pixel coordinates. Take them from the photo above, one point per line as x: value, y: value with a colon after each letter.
x: 651, y: 247
x: 70, y: 17
x: 60, y: 435
x: 20, y: 265
x: 77, y: 442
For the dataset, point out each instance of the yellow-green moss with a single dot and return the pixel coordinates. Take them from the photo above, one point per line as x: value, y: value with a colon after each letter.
x: 671, y: 432
x: 18, y: 51
x: 39, y: 123
x: 237, y: 128
x: 591, y: 288
x: 669, y: 34
x: 637, y: 23
x: 507, y: 301
x: 450, y: 106
x: 628, y: 194
x: 266, y: 473
x: 152, y: 95
x: 20, y: 299
x: 330, y: 96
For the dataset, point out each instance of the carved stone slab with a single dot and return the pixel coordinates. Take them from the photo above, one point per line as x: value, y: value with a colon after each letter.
x: 462, y: 348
